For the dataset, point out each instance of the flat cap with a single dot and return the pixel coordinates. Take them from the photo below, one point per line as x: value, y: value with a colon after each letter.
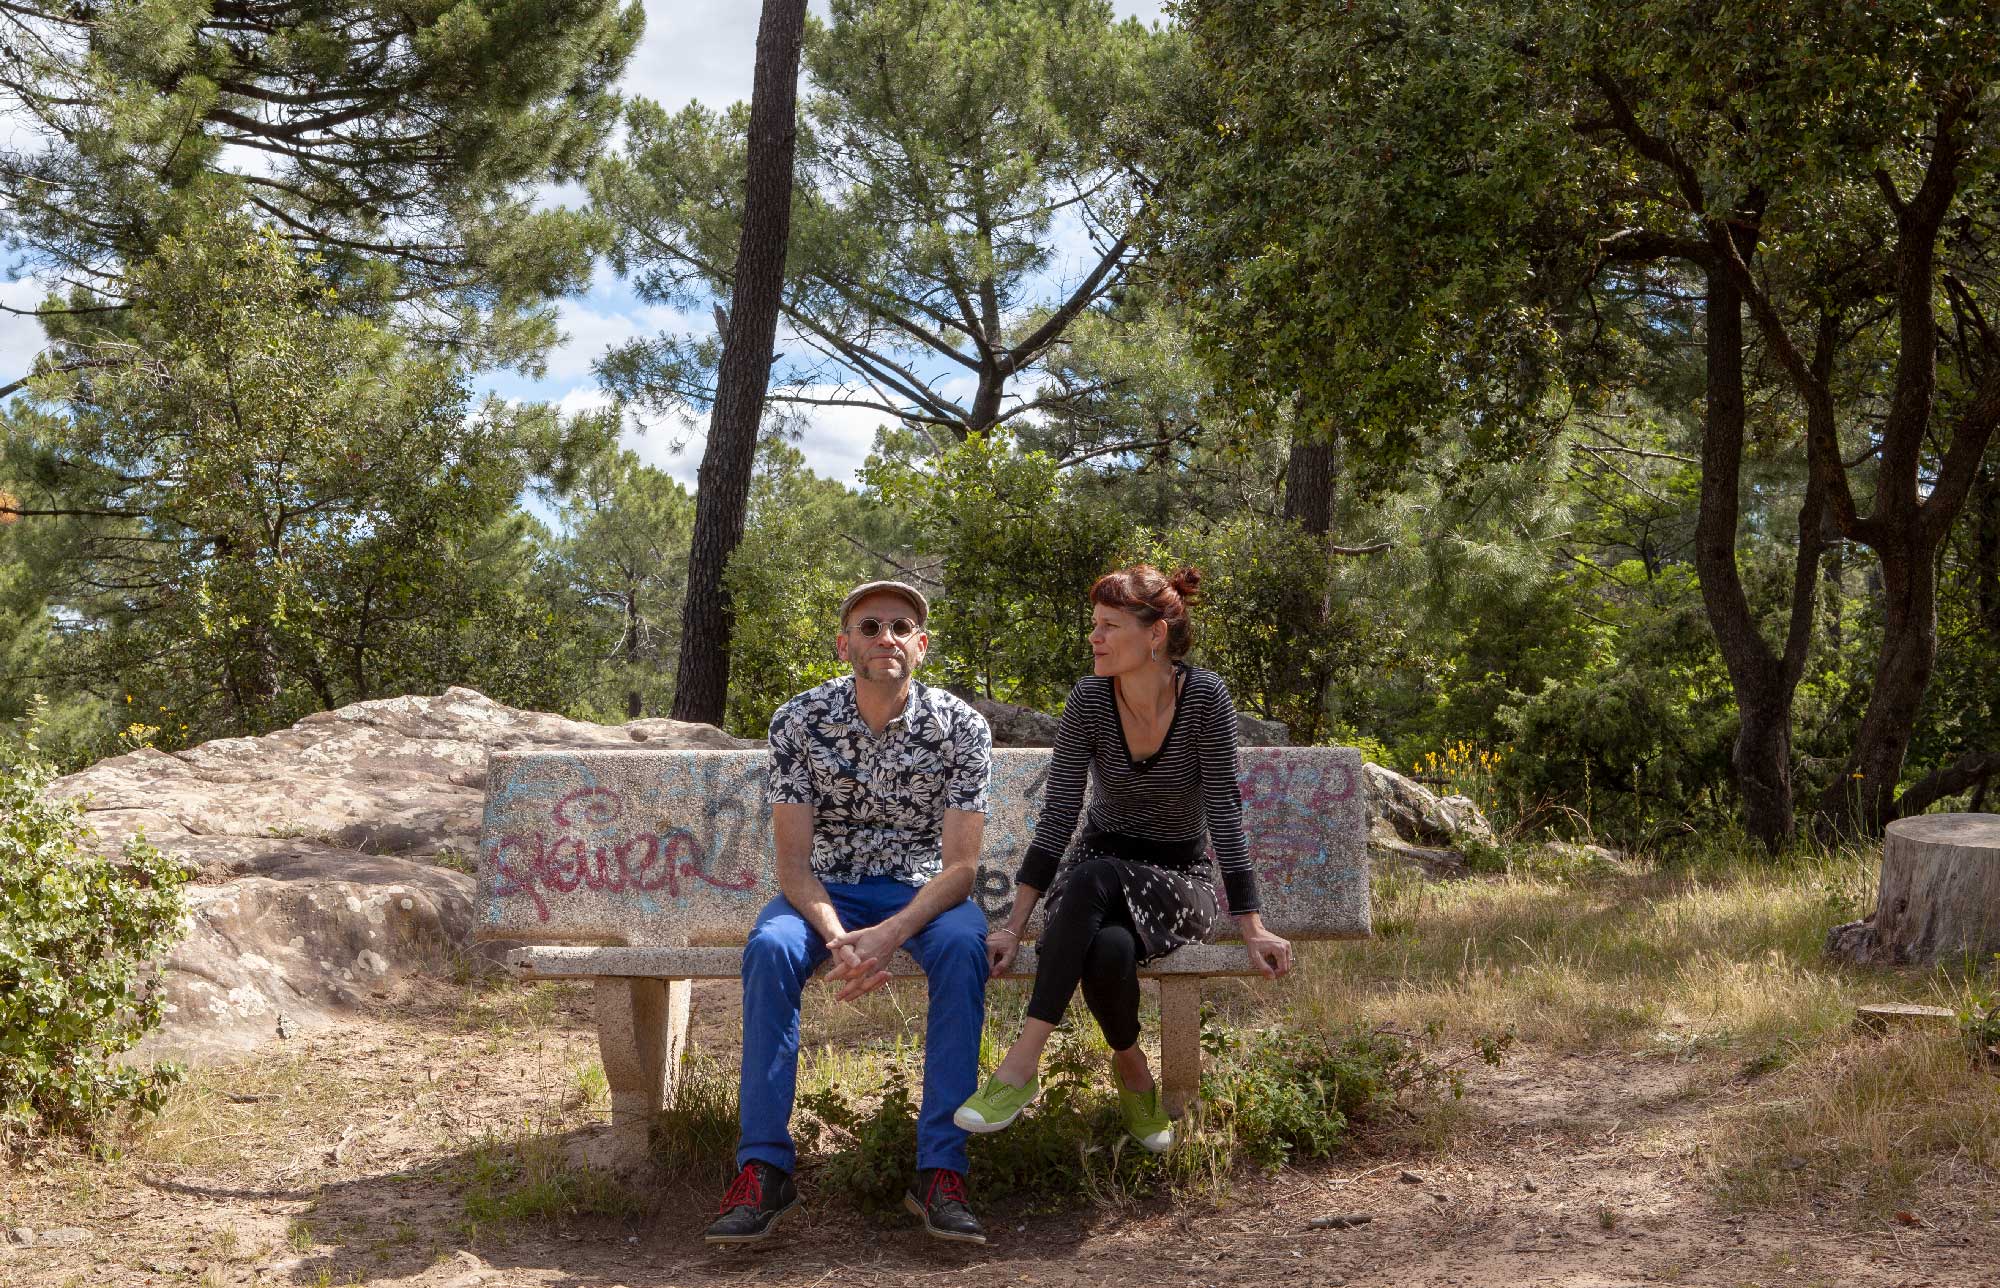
x: 909, y: 594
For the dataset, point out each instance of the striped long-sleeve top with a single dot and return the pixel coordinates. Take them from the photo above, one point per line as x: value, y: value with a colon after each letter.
x: 1184, y: 793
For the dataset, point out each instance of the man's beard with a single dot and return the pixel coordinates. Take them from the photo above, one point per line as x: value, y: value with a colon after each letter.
x: 883, y: 668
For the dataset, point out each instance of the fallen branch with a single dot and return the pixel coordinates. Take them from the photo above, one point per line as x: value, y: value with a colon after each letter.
x: 1970, y: 770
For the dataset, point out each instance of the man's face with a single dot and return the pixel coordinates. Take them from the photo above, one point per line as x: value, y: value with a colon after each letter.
x: 886, y: 655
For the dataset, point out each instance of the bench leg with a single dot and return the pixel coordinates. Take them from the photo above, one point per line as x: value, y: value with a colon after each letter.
x: 641, y: 1028
x: 1180, y: 1043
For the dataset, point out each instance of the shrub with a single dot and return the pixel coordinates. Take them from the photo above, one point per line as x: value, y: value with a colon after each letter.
x: 1267, y: 1098
x: 77, y: 931
x: 1284, y: 1094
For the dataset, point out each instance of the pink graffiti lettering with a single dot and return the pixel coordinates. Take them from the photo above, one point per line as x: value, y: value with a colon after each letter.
x: 526, y: 864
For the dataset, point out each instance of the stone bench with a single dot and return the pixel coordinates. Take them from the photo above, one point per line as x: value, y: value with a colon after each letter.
x: 643, y: 870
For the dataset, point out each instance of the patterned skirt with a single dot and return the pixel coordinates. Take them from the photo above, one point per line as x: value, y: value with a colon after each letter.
x: 1170, y: 905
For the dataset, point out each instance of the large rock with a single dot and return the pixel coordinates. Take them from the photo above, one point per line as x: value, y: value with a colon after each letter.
x: 333, y: 855
x: 1416, y: 815
x: 1412, y: 827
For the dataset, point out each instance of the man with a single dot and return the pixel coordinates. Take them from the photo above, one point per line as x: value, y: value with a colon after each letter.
x: 878, y: 802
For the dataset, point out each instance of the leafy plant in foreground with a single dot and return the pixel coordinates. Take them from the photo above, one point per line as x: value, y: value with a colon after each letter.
x: 78, y: 930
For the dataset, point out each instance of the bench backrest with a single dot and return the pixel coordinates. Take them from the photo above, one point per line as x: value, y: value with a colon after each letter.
x: 673, y: 848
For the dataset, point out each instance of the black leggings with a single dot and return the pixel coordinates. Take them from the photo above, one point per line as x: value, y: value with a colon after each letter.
x: 1090, y: 939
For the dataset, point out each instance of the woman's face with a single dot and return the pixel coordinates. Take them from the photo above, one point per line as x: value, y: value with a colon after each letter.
x: 1120, y: 642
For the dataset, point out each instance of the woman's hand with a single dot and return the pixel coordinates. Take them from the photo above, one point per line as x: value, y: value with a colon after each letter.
x: 1002, y: 946
x: 1270, y: 955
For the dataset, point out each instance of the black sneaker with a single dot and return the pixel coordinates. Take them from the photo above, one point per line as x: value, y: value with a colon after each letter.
x: 939, y: 1198
x: 758, y: 1196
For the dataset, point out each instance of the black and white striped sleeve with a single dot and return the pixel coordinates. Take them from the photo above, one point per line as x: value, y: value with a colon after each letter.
x: 1062, y: 799
x: 1221, y: 775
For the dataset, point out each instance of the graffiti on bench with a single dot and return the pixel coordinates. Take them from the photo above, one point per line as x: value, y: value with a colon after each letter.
x: 604, y: 842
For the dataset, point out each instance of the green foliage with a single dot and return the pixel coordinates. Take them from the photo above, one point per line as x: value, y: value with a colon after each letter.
x: 1269, y: 621
x: 698, y: 1129
x: 531, y: 1179
x: 1068, y: 1145
x: 1284, y: 1094
x: 1315, y: 241
x: 1018, y: 547
x: 622, y: 557
x: 1636, y: 737
x: 786, y: 579
x: 1426, y: 226
x: 78, y: 931
x: 1979, y: 1016
x: 261, y: 500
x: 940, y: 142
x: 396, y: 138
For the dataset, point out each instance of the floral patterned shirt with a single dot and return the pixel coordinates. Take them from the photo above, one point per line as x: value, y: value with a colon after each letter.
x: 879, y: 801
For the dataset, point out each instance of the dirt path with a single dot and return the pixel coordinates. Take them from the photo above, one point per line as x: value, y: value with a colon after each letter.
x: 349, y: 1161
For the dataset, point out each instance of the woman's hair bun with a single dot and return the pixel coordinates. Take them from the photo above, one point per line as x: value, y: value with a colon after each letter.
x: 1186, y: 583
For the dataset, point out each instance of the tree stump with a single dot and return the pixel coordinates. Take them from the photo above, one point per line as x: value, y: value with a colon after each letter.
x: 1939, y: 897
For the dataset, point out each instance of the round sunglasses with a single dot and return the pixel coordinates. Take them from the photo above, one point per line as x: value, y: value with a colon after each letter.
x: 900, y: 628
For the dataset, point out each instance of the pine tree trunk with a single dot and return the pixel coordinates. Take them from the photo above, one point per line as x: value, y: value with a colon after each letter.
x: 634, y: 697
x: 1939, y: 899
x: 1309, y: 484
x: 701, y: 682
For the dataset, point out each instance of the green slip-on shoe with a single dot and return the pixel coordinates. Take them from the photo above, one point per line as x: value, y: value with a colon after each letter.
x: 996, y: 1105
x: 1145, y: 1121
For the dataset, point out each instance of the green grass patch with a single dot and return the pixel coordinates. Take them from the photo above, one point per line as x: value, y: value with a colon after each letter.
x: 529, y: 1178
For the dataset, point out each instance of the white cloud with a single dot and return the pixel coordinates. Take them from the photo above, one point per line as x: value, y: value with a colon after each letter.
x: 697, y: 53
x: 20, y: 338
x: 834, y: 440
x: 610, y: 315
x: 1150, y: 12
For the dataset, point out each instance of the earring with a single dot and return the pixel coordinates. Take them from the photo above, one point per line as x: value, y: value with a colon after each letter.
x: 1156, y: 653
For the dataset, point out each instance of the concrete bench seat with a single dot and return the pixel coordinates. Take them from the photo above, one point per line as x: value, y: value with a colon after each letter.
x: 614, y: 961
x: 643, y: 870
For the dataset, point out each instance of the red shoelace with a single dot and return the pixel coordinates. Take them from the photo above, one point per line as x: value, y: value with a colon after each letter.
x: 951, y: 1183
x: 747, y: 1190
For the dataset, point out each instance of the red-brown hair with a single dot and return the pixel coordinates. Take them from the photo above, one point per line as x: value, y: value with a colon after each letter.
x: 1151, y: 596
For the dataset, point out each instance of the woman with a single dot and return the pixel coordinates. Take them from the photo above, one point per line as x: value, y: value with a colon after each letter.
x: 1156, y: 740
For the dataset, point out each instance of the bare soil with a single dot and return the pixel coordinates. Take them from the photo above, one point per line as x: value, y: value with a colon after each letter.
x: 344, y: 1157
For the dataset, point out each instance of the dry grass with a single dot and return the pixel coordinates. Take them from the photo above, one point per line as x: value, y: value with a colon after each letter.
x: 1721, y: 966
x: 1718, y: 968
x: 1884, y: 1128
x: 250, y: 1115
x: 1672, y: 960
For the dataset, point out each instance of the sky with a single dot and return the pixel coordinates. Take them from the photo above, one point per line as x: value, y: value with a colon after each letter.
x: 693, y: 50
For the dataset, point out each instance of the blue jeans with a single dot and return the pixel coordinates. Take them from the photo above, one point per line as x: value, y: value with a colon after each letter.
x: 780, y: 956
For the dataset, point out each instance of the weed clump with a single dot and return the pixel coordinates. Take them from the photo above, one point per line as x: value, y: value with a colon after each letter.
x: 695, y: 1135
x: 1267, y: 1097
x: 1284, y: 1094
x: 529, y: 1179
x: 1979, y: 1018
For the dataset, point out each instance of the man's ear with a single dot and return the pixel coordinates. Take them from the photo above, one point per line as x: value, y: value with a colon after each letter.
x: 840, y: 645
